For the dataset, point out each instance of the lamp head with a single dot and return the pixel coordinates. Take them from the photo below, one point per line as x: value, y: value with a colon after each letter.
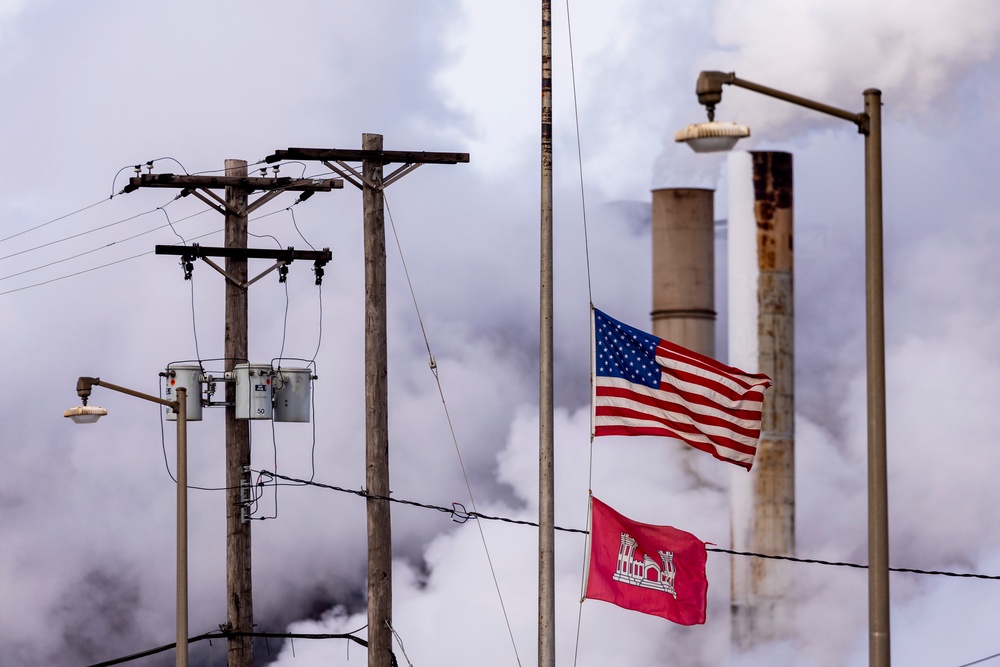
x: 85, y: 414
x: 83, y: 387
x: 709, y: 90
x: 712, y: 136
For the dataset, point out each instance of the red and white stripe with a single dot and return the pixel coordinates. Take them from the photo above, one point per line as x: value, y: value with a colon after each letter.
x: 710, y: 406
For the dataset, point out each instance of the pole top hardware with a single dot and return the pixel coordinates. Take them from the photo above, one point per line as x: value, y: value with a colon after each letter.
x: 196, y: 251
x: 357, y: 155
x: 283, y: 258
x: 247, y: 183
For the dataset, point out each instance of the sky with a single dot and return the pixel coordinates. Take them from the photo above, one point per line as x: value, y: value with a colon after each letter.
x: 87, y: 513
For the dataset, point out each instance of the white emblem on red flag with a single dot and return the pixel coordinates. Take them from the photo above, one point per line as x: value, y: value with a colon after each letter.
x: 637, y: 572
x: 654, y: 569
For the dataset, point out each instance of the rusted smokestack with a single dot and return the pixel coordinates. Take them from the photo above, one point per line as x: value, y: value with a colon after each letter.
x: 761, y: 339
x: 684, y: 267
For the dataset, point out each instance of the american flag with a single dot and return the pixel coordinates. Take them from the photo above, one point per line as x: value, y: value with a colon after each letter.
x: 644, y: 385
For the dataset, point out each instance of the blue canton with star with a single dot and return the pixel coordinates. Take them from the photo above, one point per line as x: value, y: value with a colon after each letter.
x: 624, y: 352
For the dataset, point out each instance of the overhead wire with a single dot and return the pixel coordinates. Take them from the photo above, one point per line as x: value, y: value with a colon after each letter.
x: 399, y: 641
x: 457, y: 511
x: 459, y: 515
x: 125, y: 259
x: 61, y: 217
x: 101, y: 247
x: 434, y: 370
x: 257, y: 487
x: 225, y: 634
x: 319, y: 333
x: 312, y: 403
x: 276, y: 166
x: 76, y: 273
x: 590, y: 300
x: 80, y: 234
x: 981, y: 660
x: 138, y: 168
x: 296, y: 226
x: 163, y: 210
x: 350, y: 637
x: 101, y: 201
x: 102, y: 266
x: 277, y: 361
x: 163, y: 446
x: 171, y: 159
x: 78, y: 255
x: 194, y: 321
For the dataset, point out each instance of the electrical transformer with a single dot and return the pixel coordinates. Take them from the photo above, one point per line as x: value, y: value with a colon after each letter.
x: 253, y: 391
x: 292, y: 394
x: 189, y: 377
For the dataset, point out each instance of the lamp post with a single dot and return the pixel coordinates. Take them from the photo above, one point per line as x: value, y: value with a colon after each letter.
x: 84, y: 414
x: 722, y: 136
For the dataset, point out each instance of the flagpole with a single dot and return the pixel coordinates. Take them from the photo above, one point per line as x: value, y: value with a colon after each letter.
x: 546, y: 490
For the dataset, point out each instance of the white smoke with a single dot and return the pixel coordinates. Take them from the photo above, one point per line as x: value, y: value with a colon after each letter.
x: 918, y: 56
x: 87, y: 566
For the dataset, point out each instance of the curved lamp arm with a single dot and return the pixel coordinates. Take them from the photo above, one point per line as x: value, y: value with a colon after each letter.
x: 709, y: 90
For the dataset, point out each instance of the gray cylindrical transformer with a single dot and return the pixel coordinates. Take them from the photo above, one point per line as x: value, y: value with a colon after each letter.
x: 292, y: 394
x: 253, y: 391
x: 189, y: 377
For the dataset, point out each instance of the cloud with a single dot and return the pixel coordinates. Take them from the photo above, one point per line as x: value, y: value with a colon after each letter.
x: 88, y: 513
x: 915, y: 55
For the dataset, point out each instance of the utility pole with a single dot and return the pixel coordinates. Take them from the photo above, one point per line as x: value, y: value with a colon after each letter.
x: 371, y: 182
x: 379, y: 523
x: 236, y: 208
x: 239, y: 582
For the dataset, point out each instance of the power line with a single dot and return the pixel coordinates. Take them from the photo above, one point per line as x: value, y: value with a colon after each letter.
x: 225, y: 634
x: 74, y: 236
x: 108, y: 245
x: 817, y: 561
x: 95, y: 268
x: 78, y: 273
x: 107, y: 226
x: 98, y: 248
x: 451, y: 425
x: 61, y: 217
x: 118, y: 222
x: 457, y: 510
x: 976, y: 662
x: 460, y: 515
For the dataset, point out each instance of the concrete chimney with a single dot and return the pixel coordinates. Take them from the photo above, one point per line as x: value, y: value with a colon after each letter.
x: 761, y: 339
x: 684, y: 267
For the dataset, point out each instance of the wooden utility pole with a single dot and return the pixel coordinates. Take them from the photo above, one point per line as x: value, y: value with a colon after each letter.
x: 236, y: 207
x: 376, y: 412
x: 372, y: 183
x: 239, y: 583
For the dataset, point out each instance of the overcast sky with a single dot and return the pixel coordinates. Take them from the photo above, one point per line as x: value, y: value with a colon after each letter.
x: 87, y: 513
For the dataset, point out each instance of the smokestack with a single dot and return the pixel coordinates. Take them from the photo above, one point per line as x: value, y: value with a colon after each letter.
x: 684, y: 267
x: 761, y: 339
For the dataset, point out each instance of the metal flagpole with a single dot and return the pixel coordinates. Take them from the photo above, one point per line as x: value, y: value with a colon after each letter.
x: 546, y: 490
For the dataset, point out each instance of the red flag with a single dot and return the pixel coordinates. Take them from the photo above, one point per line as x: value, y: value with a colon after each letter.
x: 644, y: 385
x: 657, y: 570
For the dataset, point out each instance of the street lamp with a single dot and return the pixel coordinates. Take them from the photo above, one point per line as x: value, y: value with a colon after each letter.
x: 869, y: 123
x: 84, y: 414
x: 712, y: 136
